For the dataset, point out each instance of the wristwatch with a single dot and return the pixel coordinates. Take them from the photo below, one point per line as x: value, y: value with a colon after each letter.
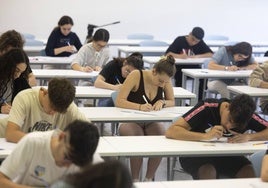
x: 226, y: 68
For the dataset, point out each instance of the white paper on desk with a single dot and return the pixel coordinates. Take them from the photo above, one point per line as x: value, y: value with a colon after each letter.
x: 217, y: 140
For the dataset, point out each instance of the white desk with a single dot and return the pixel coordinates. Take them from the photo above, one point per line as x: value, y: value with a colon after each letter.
x: 46, y: 74
x: 198, y: 74
x: 5, y: 148
x: 33, y: 50
x: 261, y: 59
x: 46, y: 60
x: 219, y: 183
x: 144, y: 49
x: 115, y: 114
x: 251, y: 91
x: 151, y: 60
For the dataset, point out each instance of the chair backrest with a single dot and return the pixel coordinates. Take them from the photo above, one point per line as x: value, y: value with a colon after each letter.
x: 140, y: 36
x: 256, y: 160
x: 230, y: 43
x: 33, y: 42
x: 43, y: 52
x: 216, y: 37
x: 153, y: 43
x: 28, y: 36
x: 114, y: 96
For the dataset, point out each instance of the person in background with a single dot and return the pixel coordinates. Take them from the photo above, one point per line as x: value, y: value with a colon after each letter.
x: 94, y: 55
x: 259, y: 78
x: 213, y: 119
x: 41, y: 158
x: 109, y: 174
x: 12, y: 64
x: 115, y: 72
x: 264, y: 168
x: 41, y: 109
x: 13, y: 39
x: 62, y: 42
x: 147, y: 90
x: 230, y: 58
x: 189, y: 46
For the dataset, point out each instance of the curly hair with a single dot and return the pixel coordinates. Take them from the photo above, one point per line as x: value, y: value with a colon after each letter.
x: 10, y: 38
x: 61, y: 94
x: 84, y: 139
x: 241, y: 109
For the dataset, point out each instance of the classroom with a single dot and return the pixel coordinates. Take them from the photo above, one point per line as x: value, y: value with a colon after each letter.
x: 151, y: 120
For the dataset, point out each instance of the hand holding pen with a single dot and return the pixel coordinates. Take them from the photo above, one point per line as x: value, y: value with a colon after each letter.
x: 215, y: 131
x: 5, y: 108
x: 147, y: 106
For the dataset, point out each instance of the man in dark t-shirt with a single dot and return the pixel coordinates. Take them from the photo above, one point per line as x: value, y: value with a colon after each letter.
x: 212, y: 119
x: 189, y: 46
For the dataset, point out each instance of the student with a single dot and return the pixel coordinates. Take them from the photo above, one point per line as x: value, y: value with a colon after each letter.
x: 147, y: 90
x: 41, y: 109
x: 93, y: 56
x: 12, y: 64
x: 115, y: 72
x: 189, y: 46
x: 62, y: 42
x: 110, y: 174
x: 212, y: 119
x: 230, y: 58
x: 259, y: 78
x: 40, y: 158
x: 13, y: 39
x: 264, y: 168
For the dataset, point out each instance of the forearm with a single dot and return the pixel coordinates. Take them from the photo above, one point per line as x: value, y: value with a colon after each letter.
x: 57, y: 51
x: 180, y: 133
x: 180, y: 56
x: 209, y: 54
x: 104, y: 85
x: 263, y: 135
x: 214, y: 66
x: 264, y: 169
x: 7, y: 183
x: 32, y: 80
x: 14, y: 136
x: 123, y: 103
x: 77, y: 67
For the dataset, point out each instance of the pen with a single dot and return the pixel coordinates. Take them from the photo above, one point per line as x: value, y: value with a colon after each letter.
x: 117, y: 80
x: 68, y: 43
x: 183, y: 50
x: 260, y: 143
x: 204, y: 71
x: 144, y: 98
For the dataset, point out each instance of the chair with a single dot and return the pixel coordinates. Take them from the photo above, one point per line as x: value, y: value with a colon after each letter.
x: 256, y: 160
x: 230, y: 43
x: 140, y: 36
x: 33, y: 42
x: 43, y: 52
x: 216, y: 37
x: 153, y: 43
x: 28, y: 36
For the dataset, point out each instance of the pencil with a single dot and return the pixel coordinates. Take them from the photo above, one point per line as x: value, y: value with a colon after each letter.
x: 260, y: 143
x: 144, y: 98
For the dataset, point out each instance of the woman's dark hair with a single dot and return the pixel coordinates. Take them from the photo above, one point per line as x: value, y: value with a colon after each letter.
x: 65, y: 20
x: 243, y: 48
x: 8, y: 65
x: 134, y: 60
x: 166, y: 65
x: 101, y: 35
x: 110, y: 174
x: 11, y: 38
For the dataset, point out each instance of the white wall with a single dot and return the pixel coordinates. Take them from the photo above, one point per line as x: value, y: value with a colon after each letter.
x: 165, y: 19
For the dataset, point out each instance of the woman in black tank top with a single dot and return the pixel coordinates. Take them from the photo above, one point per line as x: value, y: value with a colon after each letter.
x: 147, y: 90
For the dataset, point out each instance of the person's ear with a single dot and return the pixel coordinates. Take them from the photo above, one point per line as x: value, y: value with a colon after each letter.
x: 154, y: 72
x: 62, y: 136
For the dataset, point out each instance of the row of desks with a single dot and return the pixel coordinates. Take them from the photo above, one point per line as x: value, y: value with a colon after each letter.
x: 152, y: 146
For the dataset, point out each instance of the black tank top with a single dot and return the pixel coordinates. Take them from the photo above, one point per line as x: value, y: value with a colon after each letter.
x: 137, y: 95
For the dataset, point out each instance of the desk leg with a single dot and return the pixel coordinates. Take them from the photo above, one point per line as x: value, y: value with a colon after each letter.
x: 196, y: 89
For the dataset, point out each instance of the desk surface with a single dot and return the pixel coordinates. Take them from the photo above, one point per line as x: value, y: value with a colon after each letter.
x: 206, y: 73
x: 115, y: 114
x: 161, y: 146
x: 251, y: 91
x: 68, y: 73
x: 194, y: 61
x: 46, y: 60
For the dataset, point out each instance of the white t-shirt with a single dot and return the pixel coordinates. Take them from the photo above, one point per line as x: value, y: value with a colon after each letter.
x: 31, y: 162
x: 28, y: 113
